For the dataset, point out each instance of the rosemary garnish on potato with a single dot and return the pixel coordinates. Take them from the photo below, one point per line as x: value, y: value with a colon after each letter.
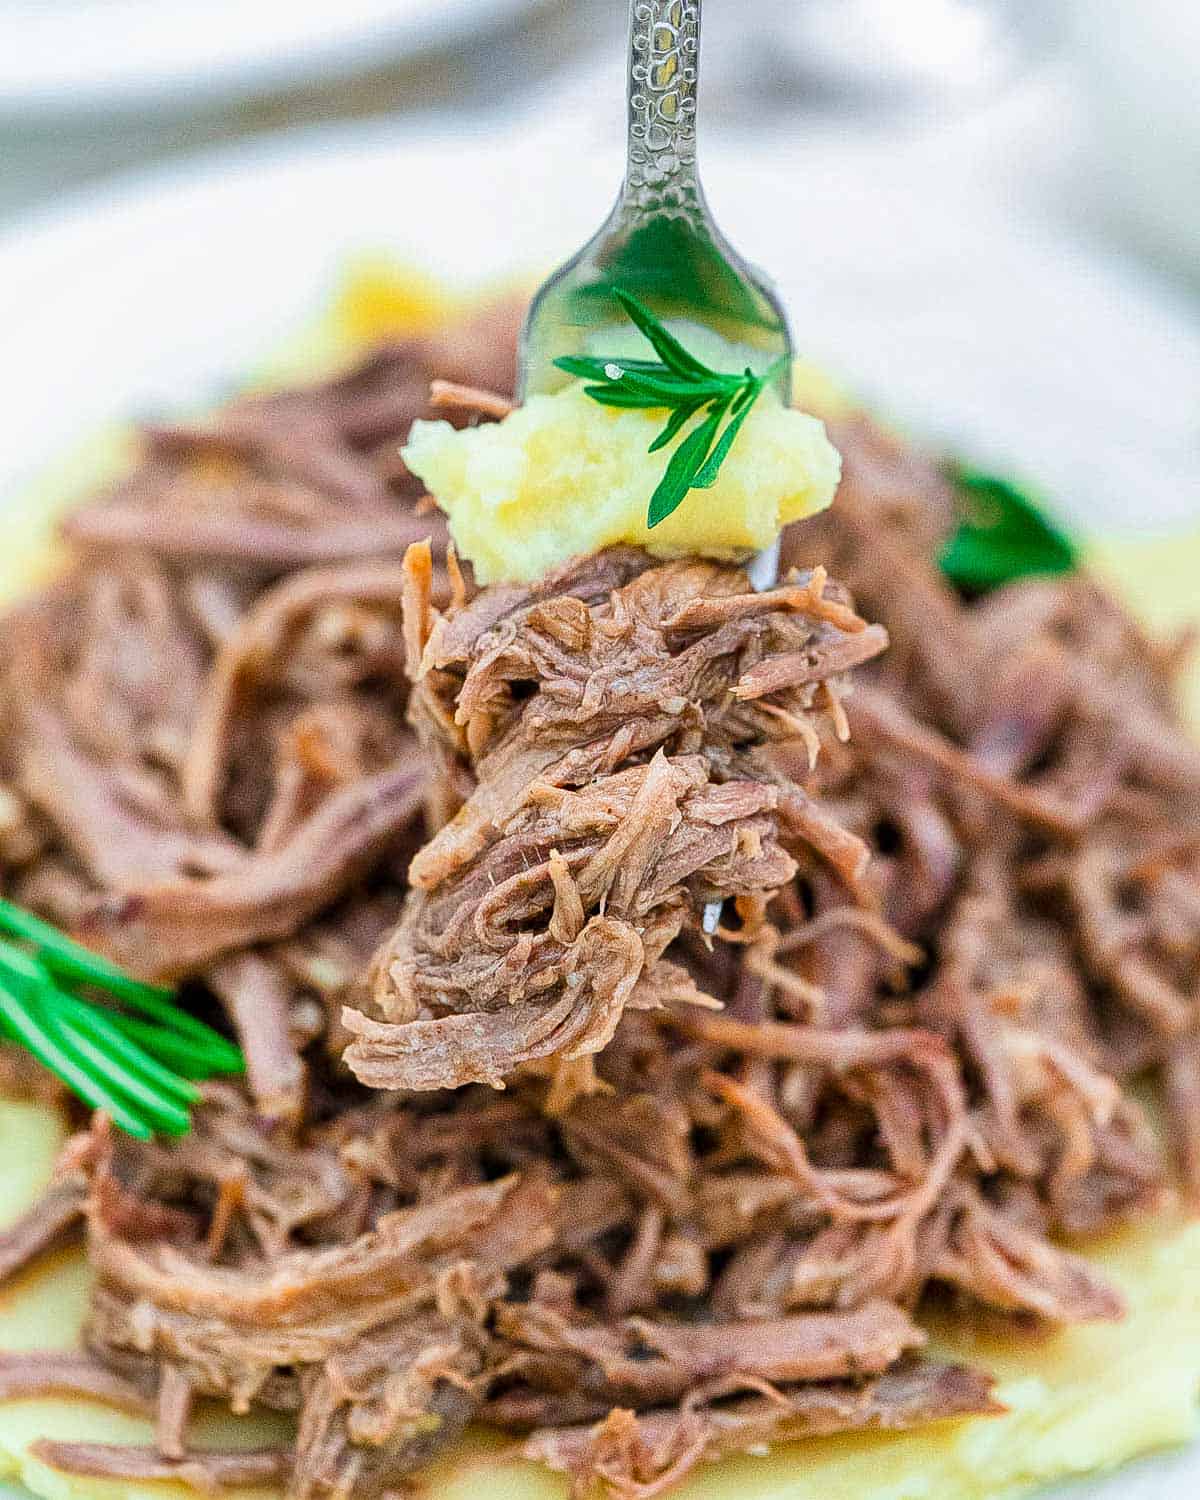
x: 685, y: 386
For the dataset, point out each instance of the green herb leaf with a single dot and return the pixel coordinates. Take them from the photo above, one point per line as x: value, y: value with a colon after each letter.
x: 159, y: 1110
x: 707, y: 476
x: 614, y: 395
x: 1004, y: 535
x: 666, y: 391
x: 675, y: 423
x: 684, y: 385
x: 103, y: 1025
x: 588, y: 368
x: 685, y: 463
x: 20, y: 1017
x: 135, y: 1062
x: 665, y: 344
x: 176, y: 1051
x: 72, y: 960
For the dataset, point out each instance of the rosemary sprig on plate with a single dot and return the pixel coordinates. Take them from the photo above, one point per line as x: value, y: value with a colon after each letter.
x: 686, y: 387
x: 134, y: 1055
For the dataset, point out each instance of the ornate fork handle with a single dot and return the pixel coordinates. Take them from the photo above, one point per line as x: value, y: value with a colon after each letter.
x: 664, y: 59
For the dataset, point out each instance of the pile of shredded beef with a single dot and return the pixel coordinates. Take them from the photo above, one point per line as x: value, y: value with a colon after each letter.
x: 413, y: 839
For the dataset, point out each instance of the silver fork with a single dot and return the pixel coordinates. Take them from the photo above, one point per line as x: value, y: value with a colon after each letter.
x: 661, y: 243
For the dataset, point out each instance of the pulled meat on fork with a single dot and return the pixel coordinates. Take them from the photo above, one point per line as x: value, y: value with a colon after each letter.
x: 612, y: 716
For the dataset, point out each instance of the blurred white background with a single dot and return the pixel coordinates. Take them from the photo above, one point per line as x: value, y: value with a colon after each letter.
x: 1088, y: 111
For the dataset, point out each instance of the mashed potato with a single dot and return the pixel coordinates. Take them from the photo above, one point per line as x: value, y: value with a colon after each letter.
x: 564, y: 475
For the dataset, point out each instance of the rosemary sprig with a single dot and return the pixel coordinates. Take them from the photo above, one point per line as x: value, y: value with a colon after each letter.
x: 134, y: 1055
x: 685, y: 386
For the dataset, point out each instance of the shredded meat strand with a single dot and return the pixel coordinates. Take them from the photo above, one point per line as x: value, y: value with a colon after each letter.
x: 48, y: 1223
x: 202, y: 1471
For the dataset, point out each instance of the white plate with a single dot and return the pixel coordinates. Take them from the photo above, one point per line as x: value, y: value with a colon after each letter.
x: 68, y: 58
x: 1023, y: 349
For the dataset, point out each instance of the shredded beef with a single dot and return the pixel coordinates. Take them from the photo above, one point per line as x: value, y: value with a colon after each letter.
x: 175, y: 927
x: 202, y: 1470
x: 48, y: 1223
x: 257, y: 742
x: 611, y: 715
x: 638, y: 1457
x: 30, y: 1376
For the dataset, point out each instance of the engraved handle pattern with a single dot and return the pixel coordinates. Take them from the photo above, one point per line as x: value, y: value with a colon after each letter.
x: 664, y: 59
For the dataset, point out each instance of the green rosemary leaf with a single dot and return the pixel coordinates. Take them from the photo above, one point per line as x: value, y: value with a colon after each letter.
x: 206, y: 1043
x: 70, y: 959
x: 665, y: 344
x: 180, y: 1052
x: 675, y: 422
x: 136, y: 1066
x: 157, y: 1109
x: 1004, y: 535
x: 588, y: 367
x: 747, y: 396
x: 666, y: 390
x: 103, y: 1025
x: 19, y: 1016
x: 615, y: 395
x: 681, y: 471
x: 21, y: 966
x: 684, y: 385
x: 669, y: 394
x: 707, y: 476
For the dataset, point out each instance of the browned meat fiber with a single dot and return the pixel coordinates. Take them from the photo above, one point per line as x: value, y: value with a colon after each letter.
x: 951, y: 940
x: 612, y: 718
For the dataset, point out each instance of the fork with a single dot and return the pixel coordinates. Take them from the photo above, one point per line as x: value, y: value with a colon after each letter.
x: 661, y: 243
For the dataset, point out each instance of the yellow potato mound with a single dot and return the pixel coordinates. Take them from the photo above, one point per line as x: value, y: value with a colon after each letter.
x: 1082, y: 1400
x: 564, y: 475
